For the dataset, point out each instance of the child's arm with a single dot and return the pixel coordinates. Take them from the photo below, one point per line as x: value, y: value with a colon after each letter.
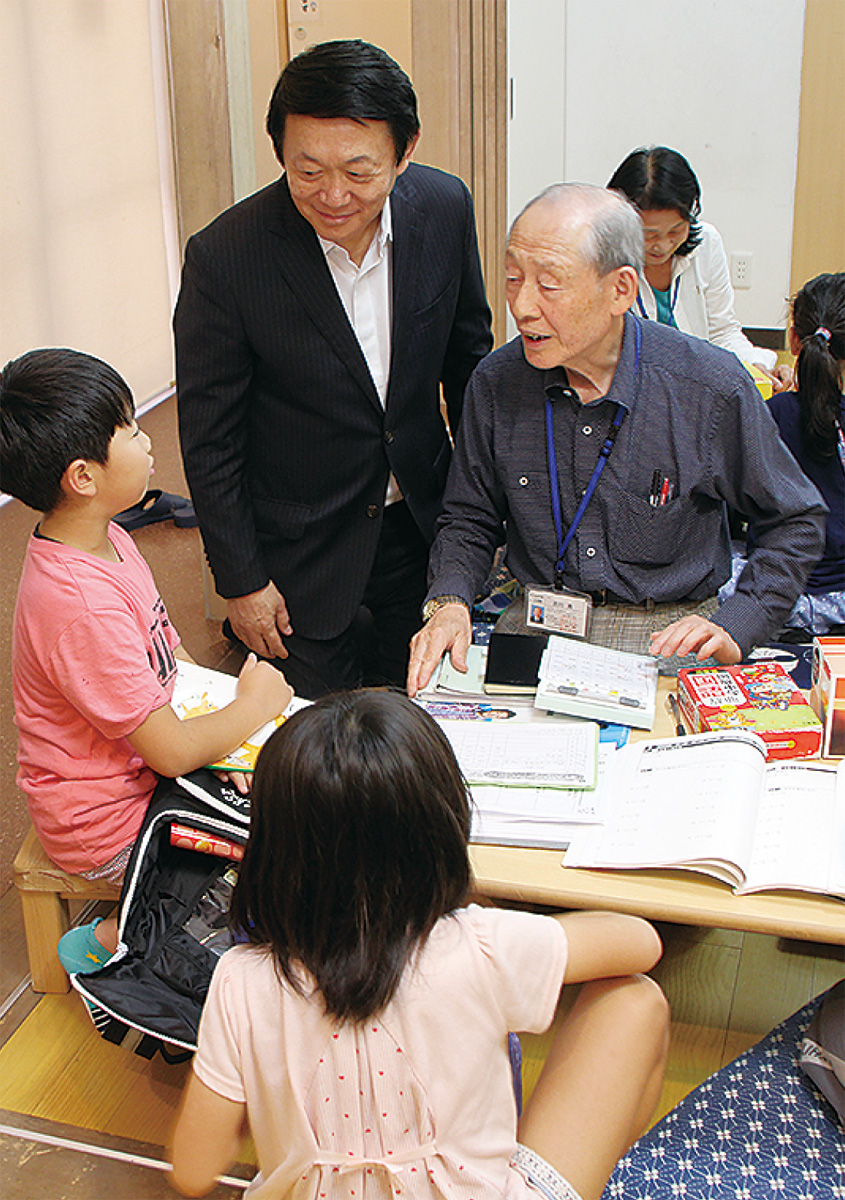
x: 607, y: 945
x: 173, y: 747
x: 206, y: 1138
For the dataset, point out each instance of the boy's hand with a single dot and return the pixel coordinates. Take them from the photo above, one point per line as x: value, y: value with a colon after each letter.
x: 266, y: 687
x: 241, y: 781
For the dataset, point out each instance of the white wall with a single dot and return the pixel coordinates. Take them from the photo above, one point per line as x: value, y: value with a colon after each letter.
x: 718, y: 80
x: 87, y: 216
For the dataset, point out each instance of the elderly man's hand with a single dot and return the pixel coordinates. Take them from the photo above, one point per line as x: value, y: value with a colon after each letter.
x: 449, y: 629
x: 260, y: 619
x: 695, y: 635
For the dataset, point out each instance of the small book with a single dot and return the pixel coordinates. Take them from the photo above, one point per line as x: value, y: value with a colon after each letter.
x: 589, y: 681
x: 452, y: 682
x: 513, y: 663
x: 206, y: 843
x: 201, y: 690
x: 711, y: 803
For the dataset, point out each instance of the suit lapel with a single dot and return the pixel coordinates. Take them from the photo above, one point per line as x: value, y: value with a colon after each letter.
x: 301, y: 260
x: 407, y: 254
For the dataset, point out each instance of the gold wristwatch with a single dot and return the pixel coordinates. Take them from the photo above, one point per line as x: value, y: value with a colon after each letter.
x: 437, y: 602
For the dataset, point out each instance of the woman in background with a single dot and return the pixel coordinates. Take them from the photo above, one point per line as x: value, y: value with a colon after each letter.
x: 686, y: 281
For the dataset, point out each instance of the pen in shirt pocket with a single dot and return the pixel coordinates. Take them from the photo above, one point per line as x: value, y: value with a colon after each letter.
x: 662, y: 489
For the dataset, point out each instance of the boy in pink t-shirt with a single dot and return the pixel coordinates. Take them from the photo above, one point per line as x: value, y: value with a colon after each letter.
x: 93, y: 653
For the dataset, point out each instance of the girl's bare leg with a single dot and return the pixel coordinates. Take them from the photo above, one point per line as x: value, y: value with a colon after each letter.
x: 601, y: 1081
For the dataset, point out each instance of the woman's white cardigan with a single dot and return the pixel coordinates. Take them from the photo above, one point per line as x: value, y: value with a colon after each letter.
x: 705, y: 299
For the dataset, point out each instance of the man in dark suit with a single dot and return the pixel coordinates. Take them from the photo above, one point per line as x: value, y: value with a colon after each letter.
x: 316, y: 323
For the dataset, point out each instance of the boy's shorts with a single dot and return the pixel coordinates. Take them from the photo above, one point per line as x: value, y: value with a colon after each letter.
x: 542, y: 1176
x: 112, y: 871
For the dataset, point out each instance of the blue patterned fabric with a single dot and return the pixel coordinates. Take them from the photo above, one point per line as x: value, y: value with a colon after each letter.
x: 756, y: 1129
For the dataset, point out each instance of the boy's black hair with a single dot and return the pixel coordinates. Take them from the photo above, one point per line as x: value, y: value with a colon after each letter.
x: 818, y: 314
x: 345, y: 79
x: 655, y: 177
x: 56, y: 406
x: 358, y: 845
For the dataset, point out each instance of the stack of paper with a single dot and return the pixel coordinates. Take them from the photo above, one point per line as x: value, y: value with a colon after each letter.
x: 545, y: 817
x: 531, y: 780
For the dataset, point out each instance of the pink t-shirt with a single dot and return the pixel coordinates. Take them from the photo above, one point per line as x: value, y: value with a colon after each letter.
x: 92, y: 657
x: 417, y: 1102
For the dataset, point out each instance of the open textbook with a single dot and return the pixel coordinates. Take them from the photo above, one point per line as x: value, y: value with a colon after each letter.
x: 201, y: 690
x: 711, y: 803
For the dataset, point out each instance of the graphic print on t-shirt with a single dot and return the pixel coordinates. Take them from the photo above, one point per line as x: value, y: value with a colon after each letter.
x: 161, y: 656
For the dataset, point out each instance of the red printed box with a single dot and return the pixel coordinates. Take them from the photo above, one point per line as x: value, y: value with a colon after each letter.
x: 827, y: 694
x: 760, y: 696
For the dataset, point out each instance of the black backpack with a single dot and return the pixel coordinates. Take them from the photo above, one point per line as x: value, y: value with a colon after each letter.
x: 172, y: 921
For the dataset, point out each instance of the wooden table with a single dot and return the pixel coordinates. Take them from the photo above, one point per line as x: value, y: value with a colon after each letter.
x: 683, y: 897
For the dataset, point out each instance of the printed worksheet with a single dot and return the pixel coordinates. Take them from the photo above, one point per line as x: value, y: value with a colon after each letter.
x: 594, y: 672
x: 544, y: 755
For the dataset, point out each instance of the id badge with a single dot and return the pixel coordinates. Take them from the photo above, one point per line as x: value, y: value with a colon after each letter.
x: 558, y: 611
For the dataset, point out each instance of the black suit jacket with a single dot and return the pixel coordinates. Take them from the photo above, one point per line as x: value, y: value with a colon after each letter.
x: 286, y: 445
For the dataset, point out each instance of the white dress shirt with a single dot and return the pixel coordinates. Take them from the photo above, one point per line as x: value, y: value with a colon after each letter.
x: 366, y: 293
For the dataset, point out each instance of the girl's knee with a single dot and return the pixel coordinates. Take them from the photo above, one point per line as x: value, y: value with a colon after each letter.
x: 650, y: 1011
x: 639, y: 1005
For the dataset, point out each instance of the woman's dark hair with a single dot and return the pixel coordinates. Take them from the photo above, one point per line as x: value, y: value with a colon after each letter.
x: 56, y: 405
x: 655, y: 177
x: 818, y: 315
x: 345, y: 79
x: 358, y: 845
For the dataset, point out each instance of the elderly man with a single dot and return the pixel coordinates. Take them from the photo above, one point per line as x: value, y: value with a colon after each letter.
x: 317, y: 323
x: 680, y: 430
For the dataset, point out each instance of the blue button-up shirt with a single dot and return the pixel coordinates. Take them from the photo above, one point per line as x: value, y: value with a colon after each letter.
x: 693, y: 416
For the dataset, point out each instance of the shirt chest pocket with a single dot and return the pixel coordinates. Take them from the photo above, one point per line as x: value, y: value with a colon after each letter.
x: 655, y: 536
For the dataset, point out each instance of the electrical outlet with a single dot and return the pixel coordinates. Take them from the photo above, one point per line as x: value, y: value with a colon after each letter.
x: 741, y: 262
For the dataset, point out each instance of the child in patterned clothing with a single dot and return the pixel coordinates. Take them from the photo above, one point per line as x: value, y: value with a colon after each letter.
x: 363, y: 1031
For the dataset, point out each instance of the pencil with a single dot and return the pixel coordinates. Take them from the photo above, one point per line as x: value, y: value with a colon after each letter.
x: 672, y: 705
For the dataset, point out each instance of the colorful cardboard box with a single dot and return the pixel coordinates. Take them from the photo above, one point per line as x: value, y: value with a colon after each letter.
x: 827, y: 693
x: 760, y: 696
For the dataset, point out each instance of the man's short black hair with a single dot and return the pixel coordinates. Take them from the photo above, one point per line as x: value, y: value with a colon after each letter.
x: 345, y: 79
x: 56, y: 406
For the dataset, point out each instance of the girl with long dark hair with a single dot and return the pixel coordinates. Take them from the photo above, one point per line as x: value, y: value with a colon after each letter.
x: 363, y: 1031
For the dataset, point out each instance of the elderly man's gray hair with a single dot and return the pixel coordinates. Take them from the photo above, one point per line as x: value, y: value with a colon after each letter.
x: 615, y: 237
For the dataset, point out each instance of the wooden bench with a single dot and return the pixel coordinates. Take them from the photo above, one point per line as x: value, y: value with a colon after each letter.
x: 45, y: 890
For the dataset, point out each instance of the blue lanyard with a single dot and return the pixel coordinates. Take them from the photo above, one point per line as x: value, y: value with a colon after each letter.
x: 604, y: 455
x: 672, y: 301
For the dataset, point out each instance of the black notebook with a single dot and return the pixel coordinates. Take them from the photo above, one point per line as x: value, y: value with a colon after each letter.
x: 513, y: 663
